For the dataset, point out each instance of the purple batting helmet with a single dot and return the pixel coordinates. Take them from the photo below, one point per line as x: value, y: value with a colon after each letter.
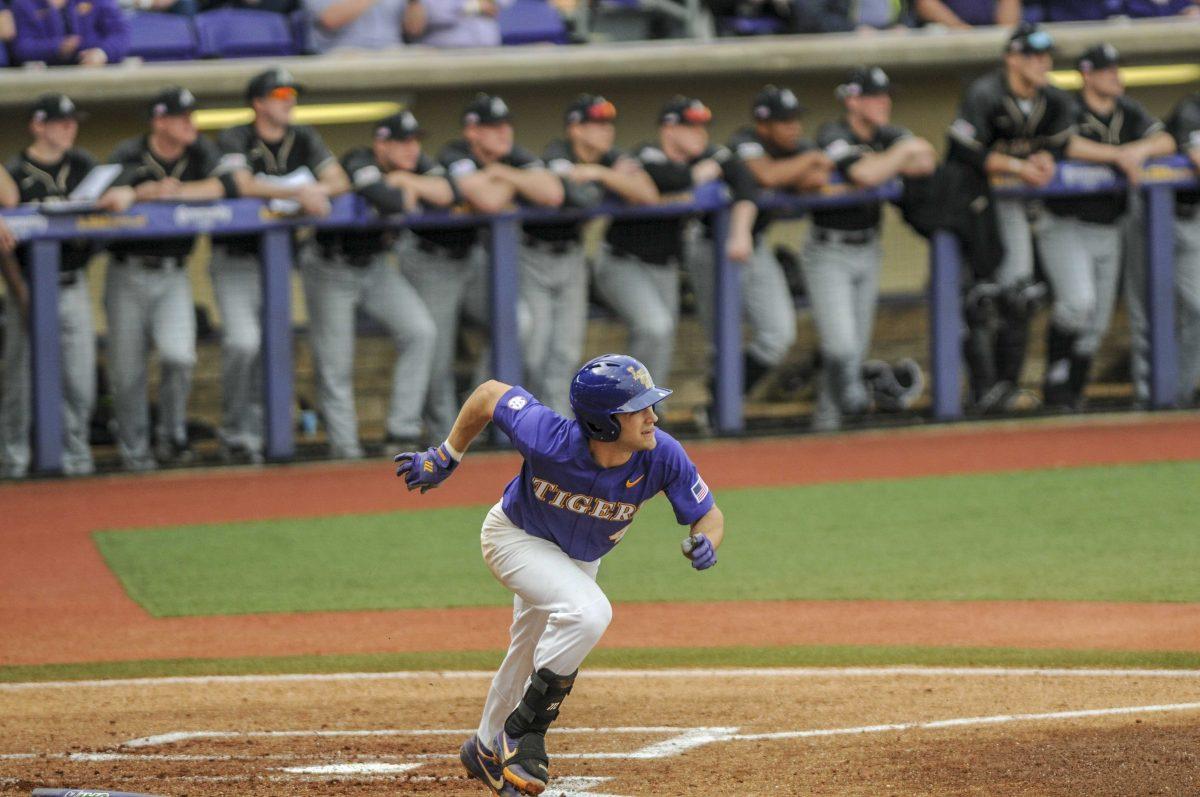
x: 608, y: 385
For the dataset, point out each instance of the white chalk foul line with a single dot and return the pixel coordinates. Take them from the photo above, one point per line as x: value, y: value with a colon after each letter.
x: 717, y: 672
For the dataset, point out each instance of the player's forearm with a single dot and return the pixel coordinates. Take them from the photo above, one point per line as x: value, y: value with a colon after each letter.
x: 1080, y: 148
x: 876, y: 168
x: 1155, y: 146
x: 742, y: 216
x: 210, y: 188
x: 795, y: 172
x: 538, y: 186
x: 434, y: 191
x: 999, y: 164
x: 485, y: 193
x: 712, y: 525
x: 636, y: 188
x: 10, y: 195
x: 333, y: 180
x: 475, y: 414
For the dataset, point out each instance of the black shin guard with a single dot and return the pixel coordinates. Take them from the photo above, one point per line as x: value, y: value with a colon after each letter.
x: 979, y: 313
x: 539, y: 707
x: 1056, y: 388
x: 1081, y: 366
x: 752, y: 372
x: 1017, y: 305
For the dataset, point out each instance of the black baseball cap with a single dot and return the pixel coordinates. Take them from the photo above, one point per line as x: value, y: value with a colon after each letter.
x: 1030, y: 39
x: 398, y: 127
x: 865, y: 81
x: 49, y: 107
x: 173, y: 101
x: 1099, y: 56
x: 681, y: 110
x: 774, y: 104
x: 262, y: 84
x: 589, y: 108
x: 486, y: 109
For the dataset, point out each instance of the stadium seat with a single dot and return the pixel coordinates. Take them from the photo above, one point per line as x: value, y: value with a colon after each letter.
x: 154, y: 36
x: 531, y: 22
x: 243, y: 33
x: 301, y: 26
x: 4, y: 55
x: 750, y: 26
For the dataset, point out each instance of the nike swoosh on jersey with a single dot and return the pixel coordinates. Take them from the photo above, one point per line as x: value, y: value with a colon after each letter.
x: 629, y: 483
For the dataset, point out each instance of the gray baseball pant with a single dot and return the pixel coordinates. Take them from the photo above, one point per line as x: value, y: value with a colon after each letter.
x: 333, y: 291
x: 767, y: 304
x: 842, y: 281
x: 448, y: 286
x: 78, y: 345
x: 148, y: 306
x: 237, y: 287
x: 1082, y: 263
x: 1187, y: 292
x: 1133, y: 253
x: 553, y: 296
x: 646, y: 297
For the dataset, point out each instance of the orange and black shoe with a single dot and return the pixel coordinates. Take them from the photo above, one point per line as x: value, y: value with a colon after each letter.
x: 524, y: 761
x: 483, y: 765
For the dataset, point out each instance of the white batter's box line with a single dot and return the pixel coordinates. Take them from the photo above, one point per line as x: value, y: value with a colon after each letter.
x: 712, y: 672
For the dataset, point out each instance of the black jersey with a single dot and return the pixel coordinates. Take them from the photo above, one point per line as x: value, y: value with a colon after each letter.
x: 660, y: 240
x: 560, y: 157
x: 367, y: 176
x: 458, y: 161
x: 38, y: 182
x: 993, y: 119
x: 242, y: 148
x: 845, y: 148
x: 1184, y: 125
x: 747, y: 145
x: 141, y: 165
x: 1129, y: 121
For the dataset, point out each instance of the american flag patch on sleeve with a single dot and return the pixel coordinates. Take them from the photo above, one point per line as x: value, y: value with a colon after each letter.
x: 699, y: 489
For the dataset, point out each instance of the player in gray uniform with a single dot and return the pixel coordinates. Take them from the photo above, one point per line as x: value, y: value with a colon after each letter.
x: 270, y: 146
x: 778, y: 156
x: 1082, y: 249
x: 843, y: 254
x: 1011, y: 123
x: 638, y: 274
x: 48, y: 169
x: 1184, y: 126
x: 354, y: 268
x: 491, y: 172
x: 147, y: 291
x: 591, y: 169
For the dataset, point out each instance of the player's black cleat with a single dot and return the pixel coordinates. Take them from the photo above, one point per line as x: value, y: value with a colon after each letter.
x: 526, y: 765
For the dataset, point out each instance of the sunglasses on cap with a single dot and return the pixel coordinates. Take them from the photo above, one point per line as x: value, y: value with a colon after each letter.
x: 283, y: 93
x: 696, y: 114
x: 603, y: 111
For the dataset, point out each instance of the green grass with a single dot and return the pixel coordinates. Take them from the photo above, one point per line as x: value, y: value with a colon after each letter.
x: 1113, y: 533
x: 846, y: 656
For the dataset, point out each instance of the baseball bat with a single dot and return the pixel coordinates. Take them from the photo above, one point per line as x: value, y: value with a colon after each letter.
x: 87, y: 793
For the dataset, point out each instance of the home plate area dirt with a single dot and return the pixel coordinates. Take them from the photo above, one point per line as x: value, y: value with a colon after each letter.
x: 856, y: 732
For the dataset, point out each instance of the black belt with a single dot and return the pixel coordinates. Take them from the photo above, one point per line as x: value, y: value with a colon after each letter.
x: 356, y: 260
x: 670, y: 260
x: 151, y: 262
x: 68, y: 278
x: 552, y: 247
x: 854, y: 237
x: 429, y: 247
x: 1186, y: 211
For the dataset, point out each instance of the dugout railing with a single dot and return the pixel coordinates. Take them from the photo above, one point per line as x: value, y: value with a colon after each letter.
x: 45, y: 232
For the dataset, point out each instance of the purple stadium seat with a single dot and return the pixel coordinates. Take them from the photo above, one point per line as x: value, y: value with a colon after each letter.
x: 155, y: 36
x: 243, y: 33
x: 301, y: 26
x: 531, y: 22
x: 4, y: 55
x: 750, y: 26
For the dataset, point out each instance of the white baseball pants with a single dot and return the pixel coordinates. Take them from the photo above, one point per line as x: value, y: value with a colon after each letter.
x: 559, y: 612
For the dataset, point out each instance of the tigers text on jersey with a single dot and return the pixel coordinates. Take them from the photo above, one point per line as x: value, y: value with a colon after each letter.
x: 563, y: 496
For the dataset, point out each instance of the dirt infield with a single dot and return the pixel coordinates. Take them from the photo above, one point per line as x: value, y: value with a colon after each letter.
x: 898, y: 732
x: 60, y: 603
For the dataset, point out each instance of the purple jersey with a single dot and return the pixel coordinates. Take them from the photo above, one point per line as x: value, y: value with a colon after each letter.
x: 562, y: 495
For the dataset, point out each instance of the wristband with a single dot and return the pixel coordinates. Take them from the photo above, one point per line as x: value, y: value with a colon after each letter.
x: 454, y: 453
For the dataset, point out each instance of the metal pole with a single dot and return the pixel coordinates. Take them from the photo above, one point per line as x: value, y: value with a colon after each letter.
x: 945, y: 325
x: 1160, y: 295
x: 275, y: 248
x: 727, y: 330
x: 505, y: 281
x: 45, y: 357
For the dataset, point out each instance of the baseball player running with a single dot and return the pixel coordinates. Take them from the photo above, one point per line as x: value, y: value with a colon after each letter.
x: 843, y: 255
x: 775, y: 152
x: 50, y: 168
x: 581, y: 484
x: 269, y: 147
x: 147, y: 291
x: 1011, y: 123
x: 1184, y: 125
x: 355, y: 269
x: 1082, y: 250
x: 590, y: 169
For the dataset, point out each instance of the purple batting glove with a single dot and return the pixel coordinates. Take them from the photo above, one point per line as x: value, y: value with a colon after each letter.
x: 425, y: 469
x: 700, y: 550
